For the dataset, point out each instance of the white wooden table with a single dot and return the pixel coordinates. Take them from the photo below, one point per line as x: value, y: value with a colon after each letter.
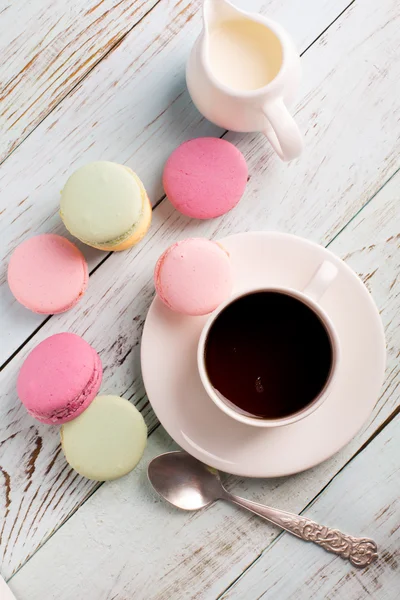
x: 84, y: 80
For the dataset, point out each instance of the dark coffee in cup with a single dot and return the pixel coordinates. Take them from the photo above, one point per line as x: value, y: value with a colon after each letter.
x: 268, y: 354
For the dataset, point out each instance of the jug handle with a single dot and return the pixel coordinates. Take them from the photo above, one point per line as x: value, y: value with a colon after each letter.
x: 283, y: 135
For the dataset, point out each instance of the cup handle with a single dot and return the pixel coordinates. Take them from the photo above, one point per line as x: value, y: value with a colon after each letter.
x: 321, y: 280
x: 284, y: 135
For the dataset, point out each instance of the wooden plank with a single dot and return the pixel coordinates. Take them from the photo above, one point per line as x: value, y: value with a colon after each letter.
x: 363, y: 500
x: 126, y: 535
x: 39, y: 491
x: 134, y: 109
x: 47, y: 47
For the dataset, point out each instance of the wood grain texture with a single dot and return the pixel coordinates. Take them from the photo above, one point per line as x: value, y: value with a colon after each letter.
x: 47, y: 47
x: 314, y: 197
x: 362, y: 500
x: 133, y: 109
x: 125, y: 535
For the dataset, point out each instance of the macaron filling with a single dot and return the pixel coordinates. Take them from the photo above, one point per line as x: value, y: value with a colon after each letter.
x: 74, y: 406
x: 59, y: 378
x: 131, y: 231
x: 104, y: 204
x: 141, y: 224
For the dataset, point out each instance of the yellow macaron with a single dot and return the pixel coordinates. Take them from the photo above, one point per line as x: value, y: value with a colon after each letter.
x: 105, y: 441
x: 105, y: 205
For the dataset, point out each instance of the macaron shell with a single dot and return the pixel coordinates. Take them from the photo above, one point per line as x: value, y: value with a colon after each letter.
x: 59, y: 378
x: 139, y: 231
x: 102, y: 203
x: 194, y: 276
x: 47, y: 274
x: 107, y: 440
x: 204, y: 178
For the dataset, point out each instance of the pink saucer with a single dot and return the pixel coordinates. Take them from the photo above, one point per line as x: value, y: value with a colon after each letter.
x: 47, y: 274
x: 205, y: 177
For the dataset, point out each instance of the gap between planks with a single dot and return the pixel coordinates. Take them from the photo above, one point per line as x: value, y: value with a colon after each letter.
x: 163, y: 197
x: 62, y: 97
x: 118, y: 40
x: 378, y: 431
x: 361, y: 208
x: 267, y: 548
x: 381, y: 427
x: 321, y: 574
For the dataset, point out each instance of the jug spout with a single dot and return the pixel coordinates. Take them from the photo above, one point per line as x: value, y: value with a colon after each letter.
x: 217, y: 11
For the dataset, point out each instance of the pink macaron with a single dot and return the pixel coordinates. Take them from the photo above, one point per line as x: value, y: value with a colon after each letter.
x: 194, y: 276
x: 205, y: 177
x: 59, y: 378
x: 47, y: 274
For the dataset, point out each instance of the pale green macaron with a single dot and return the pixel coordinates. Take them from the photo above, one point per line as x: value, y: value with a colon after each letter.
x: 107, y: 440
x: 105, y: 205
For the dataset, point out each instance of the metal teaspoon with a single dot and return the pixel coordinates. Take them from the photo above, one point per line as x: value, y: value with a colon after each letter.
x: 187, y: 483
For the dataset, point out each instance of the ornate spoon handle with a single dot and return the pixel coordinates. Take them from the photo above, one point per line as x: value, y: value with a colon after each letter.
x: 361, y: 552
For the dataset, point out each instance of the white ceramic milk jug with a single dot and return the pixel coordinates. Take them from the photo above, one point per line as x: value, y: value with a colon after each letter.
x: 242, y: 72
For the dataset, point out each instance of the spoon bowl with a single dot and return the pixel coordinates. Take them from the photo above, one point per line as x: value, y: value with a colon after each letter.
x: 184, y: 481
x: 187, y: 483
